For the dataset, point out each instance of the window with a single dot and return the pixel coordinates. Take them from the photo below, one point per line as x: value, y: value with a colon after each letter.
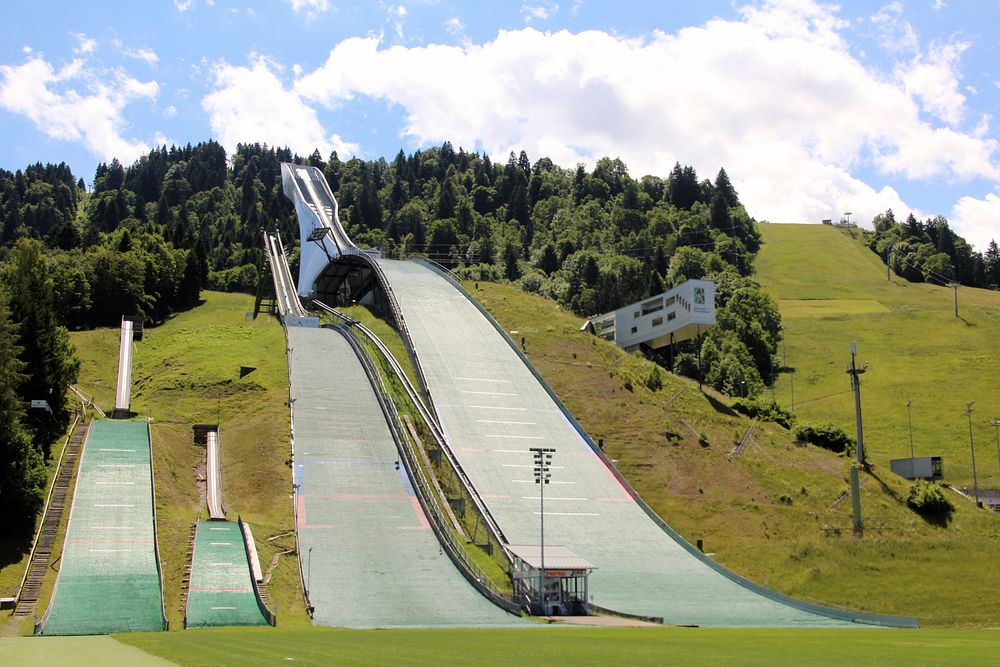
x: 671, y: 316
x: 657, y: 321
x: 635, y: 329
x: 635, y: 314
x: 670, y: 301
x: 652, y: 306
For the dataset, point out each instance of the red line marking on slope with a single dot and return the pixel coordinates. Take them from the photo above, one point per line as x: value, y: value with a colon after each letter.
x: 301, y: 512
x: 355, y: 496
x: 424, y: 525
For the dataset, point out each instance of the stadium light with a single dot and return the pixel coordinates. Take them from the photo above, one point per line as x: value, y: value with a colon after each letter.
x: 543, y: 463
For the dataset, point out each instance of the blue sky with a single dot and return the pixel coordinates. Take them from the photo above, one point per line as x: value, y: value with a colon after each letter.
x: 814, y: 109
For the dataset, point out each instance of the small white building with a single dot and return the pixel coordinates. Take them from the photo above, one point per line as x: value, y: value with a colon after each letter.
x: 684, y: 312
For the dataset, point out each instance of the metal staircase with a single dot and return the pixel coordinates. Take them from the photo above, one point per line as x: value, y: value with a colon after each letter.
x: 42, y: 551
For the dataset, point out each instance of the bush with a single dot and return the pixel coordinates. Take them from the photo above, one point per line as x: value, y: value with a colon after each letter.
x: 928, y: 500
x: 653, y: 381
x: 826, y: 436
x: 768, y: 411
x: 686, y: 364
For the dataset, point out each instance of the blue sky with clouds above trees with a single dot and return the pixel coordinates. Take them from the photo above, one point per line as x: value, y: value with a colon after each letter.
x: 814, y: 109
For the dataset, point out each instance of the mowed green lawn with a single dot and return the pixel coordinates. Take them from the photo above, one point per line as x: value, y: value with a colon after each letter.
x: 572, y: 646
x: 833, y: 291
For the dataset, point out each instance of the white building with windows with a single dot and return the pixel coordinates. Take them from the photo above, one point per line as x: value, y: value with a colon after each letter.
x: 684, y: 312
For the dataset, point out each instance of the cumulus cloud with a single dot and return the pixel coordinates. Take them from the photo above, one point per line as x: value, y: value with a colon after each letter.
x: 776, y: 97
x: 935, y: 81
x: 251, y: 104
x: 52, y: 100
x: 183, y: 5
x: 977, y: 220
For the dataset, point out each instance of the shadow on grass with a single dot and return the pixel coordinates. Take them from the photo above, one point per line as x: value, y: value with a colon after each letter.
x: 718, y: 405
x: 12, y: 549
x: 935, y: 515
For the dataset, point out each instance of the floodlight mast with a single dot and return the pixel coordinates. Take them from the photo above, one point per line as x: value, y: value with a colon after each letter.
x: 854, y: 372
x: 972, y: 446
x: 543, y: 463
x: 996, y: 427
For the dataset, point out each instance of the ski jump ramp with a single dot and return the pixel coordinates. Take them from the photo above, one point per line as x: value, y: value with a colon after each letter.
x: 368, y: 554
x: 109, y: 576
x: 494, y: 407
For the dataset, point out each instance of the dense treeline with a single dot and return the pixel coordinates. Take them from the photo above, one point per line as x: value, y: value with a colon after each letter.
x: 591, y: 240
x: 930, y: 251
x: 149, y: 236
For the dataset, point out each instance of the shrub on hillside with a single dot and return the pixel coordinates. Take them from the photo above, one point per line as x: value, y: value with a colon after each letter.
x: 826, y: 436
x: 686, y: 364
x: 653, y: 380
x: 768, y: 411
x: 928, y: 500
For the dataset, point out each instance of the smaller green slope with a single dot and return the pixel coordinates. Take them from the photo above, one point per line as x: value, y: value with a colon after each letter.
x: 221, y: 591
x: 108, y: 579
x: 832, y: 291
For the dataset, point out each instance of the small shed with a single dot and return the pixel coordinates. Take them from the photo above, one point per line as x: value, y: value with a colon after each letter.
x: 919, y: 467
x: 552, y: 582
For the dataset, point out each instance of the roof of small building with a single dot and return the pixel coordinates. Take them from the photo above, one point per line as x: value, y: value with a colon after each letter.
x: 556, y: 557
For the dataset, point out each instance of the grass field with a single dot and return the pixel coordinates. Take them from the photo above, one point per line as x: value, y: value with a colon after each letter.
x: 572, y: 646
x: 831, y: 291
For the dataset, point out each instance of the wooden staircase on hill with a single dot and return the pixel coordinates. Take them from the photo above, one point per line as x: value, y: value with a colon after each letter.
x: 39, y: 560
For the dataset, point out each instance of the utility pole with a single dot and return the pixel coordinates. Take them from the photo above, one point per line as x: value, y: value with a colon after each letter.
x: 996, y: 427
x: 791, y: 374
x: 909, y: 418
x: 543, y: 463
x: 972, y: 446
x: 854, y: 371
x: 888, y: 263
x: 955, y: 285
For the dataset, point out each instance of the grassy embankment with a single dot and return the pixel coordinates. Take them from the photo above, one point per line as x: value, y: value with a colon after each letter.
x: 832, y: 290
x: 186, y: 371
x: 771, y: 513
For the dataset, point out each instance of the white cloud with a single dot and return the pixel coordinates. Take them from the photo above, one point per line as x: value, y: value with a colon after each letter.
x: 456, y: 28
x: 26, y: 50
x: 146, y: 55
x: 251, y: 104
x: 396, y: 17
x: 170, y: 111
x: 312, y: 8
x: 977, y: 220
x: 777, y: 98
x: 539, y: 12
x: 896, y: 34
x: 53, y: 102
x: 935, y: 80
x: 87, y: 44
x: 183, y: 5
x: 938, y: 5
